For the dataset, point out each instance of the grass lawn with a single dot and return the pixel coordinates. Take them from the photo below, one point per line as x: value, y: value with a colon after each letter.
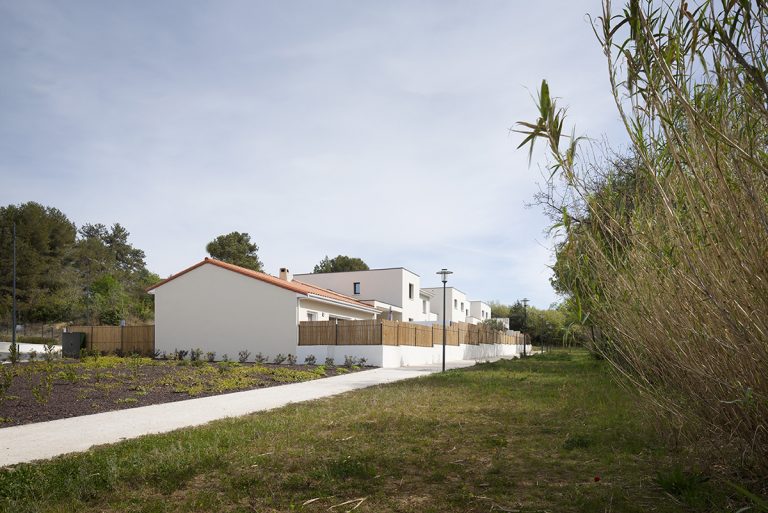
x: 526, y: 436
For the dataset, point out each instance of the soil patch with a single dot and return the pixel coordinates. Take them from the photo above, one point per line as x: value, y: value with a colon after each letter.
x: 41, y: 391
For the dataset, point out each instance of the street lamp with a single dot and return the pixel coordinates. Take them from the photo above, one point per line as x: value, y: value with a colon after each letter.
x: 444, y: 273
x: 525, y: 320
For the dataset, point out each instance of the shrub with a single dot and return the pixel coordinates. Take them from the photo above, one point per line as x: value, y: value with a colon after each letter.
x: 362, y: 361
x: 310, y: 359
x: 49, y: 353
x: 210, y: 356
x: 225, y: 357
x: 7, y: 373
x: 279, y: 358
x: 349, y: 361
x: 260, y: 358
x: 291, y: 359
x: 243, y: 356
x: 32, y: 355
x: 195, y: 354
x: 329, y: 362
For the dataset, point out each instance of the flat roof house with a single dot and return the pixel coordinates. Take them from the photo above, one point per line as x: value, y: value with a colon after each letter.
x: 395, y: 292
x: 221, y: 307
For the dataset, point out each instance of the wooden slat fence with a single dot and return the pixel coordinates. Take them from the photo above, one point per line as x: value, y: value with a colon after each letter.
x: 118, y: 339
x: 395, y: 333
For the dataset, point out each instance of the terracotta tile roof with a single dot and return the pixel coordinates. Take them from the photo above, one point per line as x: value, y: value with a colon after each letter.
x: 294, y: 285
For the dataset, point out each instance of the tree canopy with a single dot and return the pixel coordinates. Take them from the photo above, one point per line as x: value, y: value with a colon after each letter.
x: 91, y: 275
x: 339, y: 264
x: 235, y: 248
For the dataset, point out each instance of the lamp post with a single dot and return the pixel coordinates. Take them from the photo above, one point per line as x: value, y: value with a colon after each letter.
x: 14, y: 347
x: 444, y: 273
x: 525, y: 320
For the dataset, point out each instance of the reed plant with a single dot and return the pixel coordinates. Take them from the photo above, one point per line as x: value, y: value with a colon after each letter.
x: 663, y: 249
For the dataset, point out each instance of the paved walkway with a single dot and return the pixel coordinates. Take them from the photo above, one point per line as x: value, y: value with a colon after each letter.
x: 31, y: 442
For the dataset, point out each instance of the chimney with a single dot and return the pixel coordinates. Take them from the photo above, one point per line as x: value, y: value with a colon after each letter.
x: 285, y: 274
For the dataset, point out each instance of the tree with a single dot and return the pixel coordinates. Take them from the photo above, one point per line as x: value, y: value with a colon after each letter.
x: 235, y: 248
x: 44, y: 239
x: 494, y: 324
x: 340, y: 264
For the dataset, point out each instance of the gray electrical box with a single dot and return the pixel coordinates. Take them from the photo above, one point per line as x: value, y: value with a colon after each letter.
x: 72, y: 343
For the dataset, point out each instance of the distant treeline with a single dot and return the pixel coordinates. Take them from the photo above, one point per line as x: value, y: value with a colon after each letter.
x: 546, y: 327
x: 91, y: 274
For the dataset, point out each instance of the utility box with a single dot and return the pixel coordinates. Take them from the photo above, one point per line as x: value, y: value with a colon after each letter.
x: 72, y: 343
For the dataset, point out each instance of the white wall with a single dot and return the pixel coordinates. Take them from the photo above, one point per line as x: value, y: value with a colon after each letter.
x: 325, y: 310
x: 453, y: 304
x: 480, y: 309
x: 398, y: 356
x: 386, y: 285
x: 219, y: 310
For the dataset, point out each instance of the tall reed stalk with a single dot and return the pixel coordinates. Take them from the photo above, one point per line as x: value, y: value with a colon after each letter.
x: 665, y: 251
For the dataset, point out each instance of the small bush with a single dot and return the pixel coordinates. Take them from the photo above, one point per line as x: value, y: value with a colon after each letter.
x: 243, y: 356
x: 49, y: 353
x: 310, y: 359
x: 349, y: 361
x: 69, y: 374
x: 225, y: 357
x: 279, y: 358
x: 292, y: 359
x: 329, y: 362
x: 7, y: 373
x: 195, y: 354
x: 260, y: 358
x: 32, y: 355
x: 210, y: 356
x: 181, y: 354
x: 362, y: 361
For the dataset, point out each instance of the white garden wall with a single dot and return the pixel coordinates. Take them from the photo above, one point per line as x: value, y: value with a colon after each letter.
x: 399, y: 356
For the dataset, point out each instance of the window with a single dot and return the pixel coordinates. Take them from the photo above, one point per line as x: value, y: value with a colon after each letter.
x: 462, y: 305
x: 410, y: 291
x: 455, y: 304
x: 423, y: 306
x: 311, y: 316
x: 356, y: 287
x: 410, y: 319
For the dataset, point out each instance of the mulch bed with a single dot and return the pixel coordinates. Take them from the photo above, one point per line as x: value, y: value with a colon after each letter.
x: 123, y: 386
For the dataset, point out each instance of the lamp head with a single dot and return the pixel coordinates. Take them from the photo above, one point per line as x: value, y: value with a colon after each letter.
x: 444, y: 273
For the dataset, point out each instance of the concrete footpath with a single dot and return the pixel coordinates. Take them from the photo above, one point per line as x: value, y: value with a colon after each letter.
x: 41, y: 440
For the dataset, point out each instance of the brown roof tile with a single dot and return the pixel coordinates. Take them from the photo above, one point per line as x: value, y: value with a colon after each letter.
x: 296, y: 286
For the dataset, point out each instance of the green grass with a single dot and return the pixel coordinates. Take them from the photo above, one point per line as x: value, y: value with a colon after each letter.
x: 509, y: 436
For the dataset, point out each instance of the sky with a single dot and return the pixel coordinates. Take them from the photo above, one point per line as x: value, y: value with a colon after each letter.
x: 378, y: 130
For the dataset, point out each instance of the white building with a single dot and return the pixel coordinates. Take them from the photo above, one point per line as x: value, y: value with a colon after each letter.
x: 396, y: 292
x: 217, y: 306
x: 479, y: 310
x: 458, y: 308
